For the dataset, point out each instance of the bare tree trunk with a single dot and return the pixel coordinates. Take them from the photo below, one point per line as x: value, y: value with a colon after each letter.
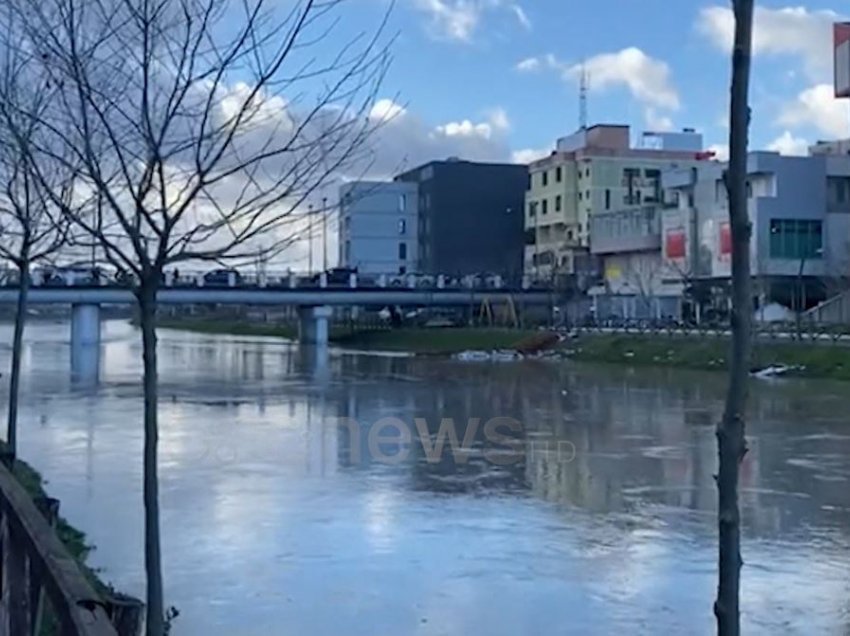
x: 731, y: 443
x: 17, y: 347
x: 153, y: 557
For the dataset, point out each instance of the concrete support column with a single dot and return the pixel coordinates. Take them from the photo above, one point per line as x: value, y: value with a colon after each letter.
x: 85, y: 325
x: 85, y: 342
x: 313, y: 325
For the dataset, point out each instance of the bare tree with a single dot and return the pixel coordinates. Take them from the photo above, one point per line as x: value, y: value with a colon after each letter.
x: 32, y: 228
x: 731, y: 442
x: 203, y: 126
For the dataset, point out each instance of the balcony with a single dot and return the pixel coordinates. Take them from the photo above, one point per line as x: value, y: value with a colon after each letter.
x: 637, y: 230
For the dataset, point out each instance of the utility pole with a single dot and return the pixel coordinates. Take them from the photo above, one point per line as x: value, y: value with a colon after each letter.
x: 324, y: 234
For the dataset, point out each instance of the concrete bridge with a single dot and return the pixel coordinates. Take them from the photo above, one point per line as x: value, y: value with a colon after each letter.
x: 314, y: 302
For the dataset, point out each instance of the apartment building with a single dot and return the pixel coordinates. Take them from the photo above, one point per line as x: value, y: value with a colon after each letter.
x: 378, y: 228
x: 594, y: 171
x: 470, y: 217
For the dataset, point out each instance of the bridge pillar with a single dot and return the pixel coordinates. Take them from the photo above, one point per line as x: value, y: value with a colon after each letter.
x: 85, y: 325
x: 85, y: 342
x: 313, y: 325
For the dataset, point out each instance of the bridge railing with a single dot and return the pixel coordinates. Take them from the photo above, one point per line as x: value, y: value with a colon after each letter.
x: 42, y: 588
x: 274, y: 280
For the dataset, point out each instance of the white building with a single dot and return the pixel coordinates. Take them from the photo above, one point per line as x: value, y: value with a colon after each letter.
x: 378, y: 227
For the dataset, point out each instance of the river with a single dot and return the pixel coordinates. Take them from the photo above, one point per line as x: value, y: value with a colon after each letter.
x: 596, y: 517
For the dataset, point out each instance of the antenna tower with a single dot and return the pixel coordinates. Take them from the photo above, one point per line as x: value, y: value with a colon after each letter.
x: 584, y: 85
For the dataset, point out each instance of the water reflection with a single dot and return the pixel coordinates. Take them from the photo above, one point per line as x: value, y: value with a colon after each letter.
x: 278, y: 517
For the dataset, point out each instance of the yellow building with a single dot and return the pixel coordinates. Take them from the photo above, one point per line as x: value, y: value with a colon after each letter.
x: 594, y: 170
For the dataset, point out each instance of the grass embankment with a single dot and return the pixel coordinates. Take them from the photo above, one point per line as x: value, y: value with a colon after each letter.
x: 427, y: 341
x: 814, y: 360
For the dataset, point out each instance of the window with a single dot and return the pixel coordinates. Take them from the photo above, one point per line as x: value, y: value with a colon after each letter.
x: 607, y: 199
x: 544, y: 178
x: 402, y: 251
x: 347, y: 222
x: 558, y: 174
x: 587, y: 173
x: 544, y: 205
x: 569, y: 235
x: 402, y: 202
x: 579, y: 196
x: 532, y: 208
x: 402, y: 226
x: 587, y: 195
x: 631, y: 177
x: 402, y: 269
x: 749, y: 189
x: 796, y: 239
x: 558, y: 203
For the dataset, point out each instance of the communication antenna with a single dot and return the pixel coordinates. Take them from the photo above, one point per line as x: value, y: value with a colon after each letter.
x: 583, y: 87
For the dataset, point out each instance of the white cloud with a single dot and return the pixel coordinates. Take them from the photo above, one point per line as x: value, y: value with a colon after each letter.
x: 528, y: 65
x: 817, y: 107
x: 656, y: 122
x: 386, y: 109
x: 499, y: 119
x: 527, y: 155
x: 458, y: 20
x: 648, y: 79
x: 788, y: 144
x: 521, y: 16
x: 794, y: 31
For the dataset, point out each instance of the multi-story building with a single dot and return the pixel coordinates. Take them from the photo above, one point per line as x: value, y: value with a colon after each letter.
x: 470, y: 217
x: 378, y: 227
x: 799, y: 209
x: 594, y: 171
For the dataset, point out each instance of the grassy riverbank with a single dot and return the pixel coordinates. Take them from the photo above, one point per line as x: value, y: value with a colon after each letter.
x: 436, y: 341
x: 813, y: 360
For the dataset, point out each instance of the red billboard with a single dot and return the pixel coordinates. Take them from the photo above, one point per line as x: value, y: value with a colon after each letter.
x: 674, y: 244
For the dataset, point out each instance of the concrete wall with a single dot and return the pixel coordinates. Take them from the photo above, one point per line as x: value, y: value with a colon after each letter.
x: 376, y: 217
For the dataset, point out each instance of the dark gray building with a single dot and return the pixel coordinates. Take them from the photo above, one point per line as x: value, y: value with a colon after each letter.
x: 470, y: 217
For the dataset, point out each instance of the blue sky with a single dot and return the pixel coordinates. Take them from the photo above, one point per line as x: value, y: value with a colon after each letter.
x: 490, y: 77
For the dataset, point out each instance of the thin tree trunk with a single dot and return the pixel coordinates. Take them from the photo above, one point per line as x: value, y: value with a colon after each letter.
x: 153, y: 557
x: 731, y: 443
x: 17, y: 353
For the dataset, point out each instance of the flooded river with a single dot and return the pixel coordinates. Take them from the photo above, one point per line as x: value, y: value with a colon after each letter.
x: 582, y: 503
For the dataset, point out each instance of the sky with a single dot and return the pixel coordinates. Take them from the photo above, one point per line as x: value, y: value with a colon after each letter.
x: 499, y: 79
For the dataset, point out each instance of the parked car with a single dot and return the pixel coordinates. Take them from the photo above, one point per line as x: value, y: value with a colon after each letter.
x: 222, y: 278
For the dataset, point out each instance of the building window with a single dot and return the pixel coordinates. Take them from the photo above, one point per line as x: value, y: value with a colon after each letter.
x: 749, y: 189
x: 532, y: 208
x: 579, y: 196
x: 402, y: 202
x: 347, y: 222
x: 558, y: 175
x: 544, y: 178
x: 558, y: 203
x: 587, y: 195
x: 631, y: 177
x: 402, y: 226
x: 607, y: 199
x: 402, y: 251
x: 569, y: 235
x: 545, y: 206
x: 796, y: 239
